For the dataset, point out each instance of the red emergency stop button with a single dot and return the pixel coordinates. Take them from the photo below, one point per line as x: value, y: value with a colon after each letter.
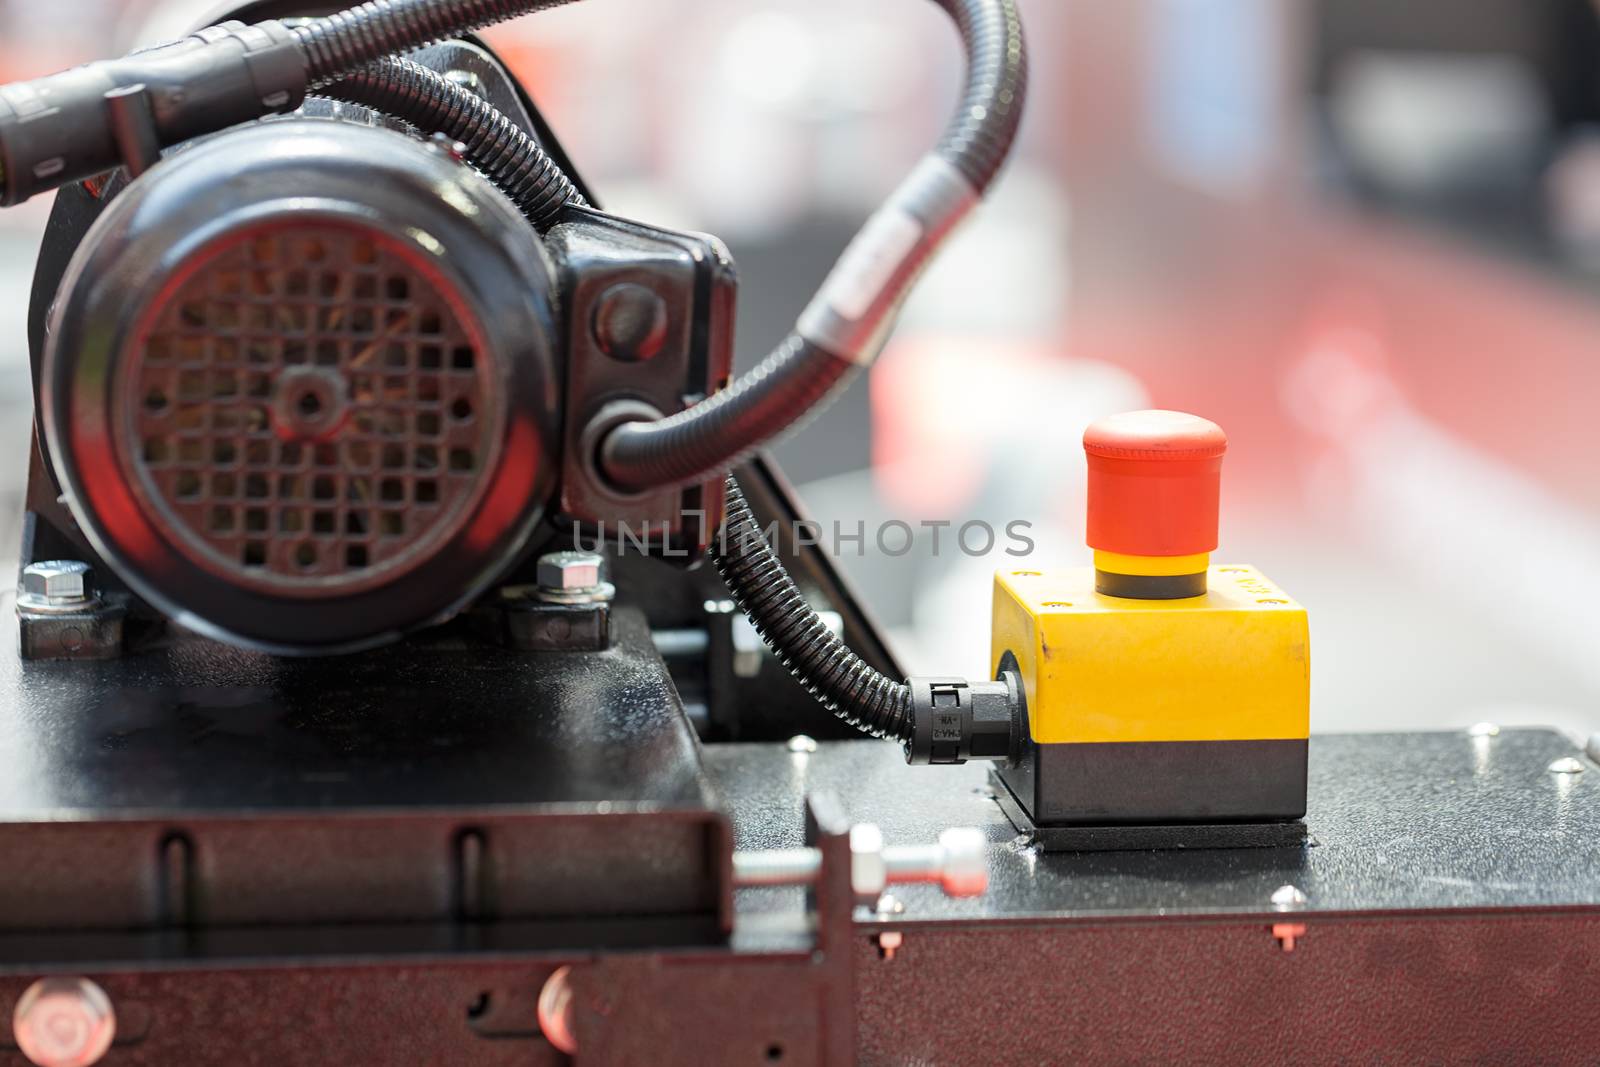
x: 1154, y: 482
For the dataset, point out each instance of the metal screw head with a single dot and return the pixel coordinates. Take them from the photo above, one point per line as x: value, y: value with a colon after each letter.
x: 965, y: 871
x: 574, y: 578
x: 1484, y: 729
x: 630, y: 323
x: 61, y: 581
x: 801, y: 744
x: 869, y: 872
x: 1287, y: 898
x: 448, y: 147
x: 889, y: 943
x: 555, y: 1011
x: 1566, y: 765
x: 469, y: 81
x: 64, y: 1022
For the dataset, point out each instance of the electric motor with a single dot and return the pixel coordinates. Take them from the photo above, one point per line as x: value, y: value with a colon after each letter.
x: 305, y: 386
x: 300, y: 385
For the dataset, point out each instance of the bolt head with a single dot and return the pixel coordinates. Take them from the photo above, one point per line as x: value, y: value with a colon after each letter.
x: 889, y: 943
x: 556, y: 1010
x: 965, y: 872
x: 1566, y: 765
x: 869, y: 872
x: 59, y: 581
x: 469, y: 81
x: 64, y: 1022
x: 571, y: 572
x: 631, y: 323
x: 448, y: 147
x: 1287, y: 898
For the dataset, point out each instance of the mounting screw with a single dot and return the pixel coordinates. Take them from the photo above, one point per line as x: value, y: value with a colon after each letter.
x: 1288, y: 934
x: 64, y: 1022
x: 574, y: 578
x: 1287, y: 898
x: 1484, y: 729
x: 448, y: 147
x: 555, y: 1011
x: 61, y: 614
x: 889, y: 943
x: 630, y: 323
x: 802, y: 745
x: 1566, y: 765
x: 61, y: 583
x: 469, y: 81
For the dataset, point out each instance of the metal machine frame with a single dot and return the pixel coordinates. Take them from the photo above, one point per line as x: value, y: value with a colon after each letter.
x: 385, y: 858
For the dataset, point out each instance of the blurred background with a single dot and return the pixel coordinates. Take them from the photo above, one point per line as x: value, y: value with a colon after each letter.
x: 1363, y: 236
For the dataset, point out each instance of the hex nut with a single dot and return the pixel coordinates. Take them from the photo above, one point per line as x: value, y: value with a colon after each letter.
x: 64, y: 1022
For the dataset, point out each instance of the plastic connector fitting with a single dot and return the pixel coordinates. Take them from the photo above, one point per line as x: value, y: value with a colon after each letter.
x: 955, y: 720
x: 88, y: 120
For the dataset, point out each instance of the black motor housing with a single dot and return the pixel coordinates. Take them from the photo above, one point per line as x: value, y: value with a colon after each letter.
x: 312, y: 383
x: 300, y: 386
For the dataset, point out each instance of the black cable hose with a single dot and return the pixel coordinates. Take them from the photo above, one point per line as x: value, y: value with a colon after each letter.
x: 495, y: 145
x: 342, y: 43
x: 976, y: 142
x: 776, y: 395
x: 715, y: 435
x: 725, y: 429
x: 841, y: 680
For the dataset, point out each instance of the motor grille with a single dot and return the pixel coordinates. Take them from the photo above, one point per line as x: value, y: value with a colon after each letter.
x: 308, y: 411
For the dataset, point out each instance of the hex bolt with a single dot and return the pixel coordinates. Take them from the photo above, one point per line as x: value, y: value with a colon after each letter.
x: 61, y: 614
x: 958, y: 863
x: 57, y: 585
x: 574, y: 578
x: 64, y: 1022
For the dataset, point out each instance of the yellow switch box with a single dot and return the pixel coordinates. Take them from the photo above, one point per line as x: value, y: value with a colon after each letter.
x: 1231, y: 665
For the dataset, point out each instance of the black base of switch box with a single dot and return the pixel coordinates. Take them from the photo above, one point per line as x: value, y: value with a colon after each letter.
x: 1158, y: 794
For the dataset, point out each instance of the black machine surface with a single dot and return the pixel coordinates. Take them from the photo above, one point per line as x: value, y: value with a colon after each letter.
x: 321, y: 749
